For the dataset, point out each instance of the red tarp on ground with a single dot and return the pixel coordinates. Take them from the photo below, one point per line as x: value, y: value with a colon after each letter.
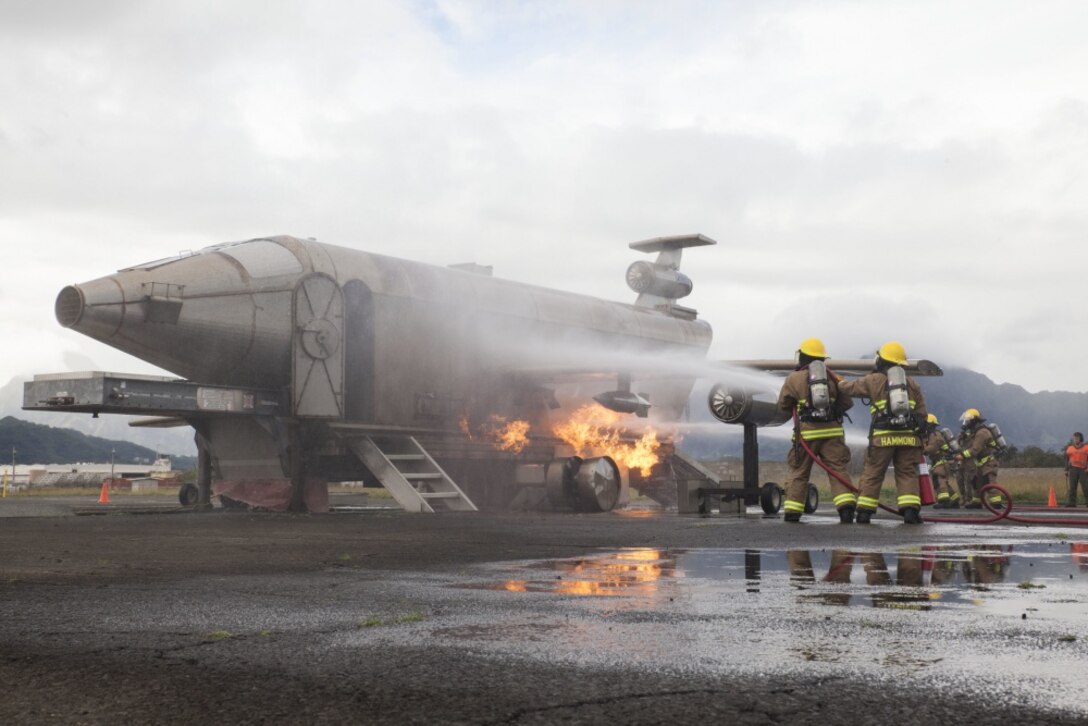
x: 274, y: 494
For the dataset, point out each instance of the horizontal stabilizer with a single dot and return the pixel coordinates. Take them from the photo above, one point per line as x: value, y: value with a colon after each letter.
x: 677, y: 242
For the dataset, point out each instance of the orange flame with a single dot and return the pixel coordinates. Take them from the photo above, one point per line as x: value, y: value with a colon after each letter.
x: 512, y: 436
x: 594, y: 430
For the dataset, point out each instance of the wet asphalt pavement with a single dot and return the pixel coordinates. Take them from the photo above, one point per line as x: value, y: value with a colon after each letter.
x: 384, y: 617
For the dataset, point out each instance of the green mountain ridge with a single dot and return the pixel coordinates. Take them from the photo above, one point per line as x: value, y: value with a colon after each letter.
x: 1045, y: 420
x: 39, y: 444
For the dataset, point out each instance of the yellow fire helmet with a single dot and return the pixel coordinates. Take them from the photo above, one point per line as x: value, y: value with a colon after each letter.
x: 969, y: 415
x: 893, y: 352
x: 932, y: 418
x: 813, y: 347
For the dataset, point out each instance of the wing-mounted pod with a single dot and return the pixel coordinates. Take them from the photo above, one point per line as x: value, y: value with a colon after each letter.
x: 738, y: 405
x: 624, y: 400
x: 660, y: 283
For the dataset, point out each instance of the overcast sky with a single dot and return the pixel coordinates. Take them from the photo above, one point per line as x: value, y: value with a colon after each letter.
x: 895, y: 170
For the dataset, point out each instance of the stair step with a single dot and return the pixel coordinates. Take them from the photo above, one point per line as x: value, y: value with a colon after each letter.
x: 409, y: 488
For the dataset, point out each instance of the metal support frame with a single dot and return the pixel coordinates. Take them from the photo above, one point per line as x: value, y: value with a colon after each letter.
x: 749, y: 491
x: 297, y: 450
x: 203, y: 477
x: 751, y: 463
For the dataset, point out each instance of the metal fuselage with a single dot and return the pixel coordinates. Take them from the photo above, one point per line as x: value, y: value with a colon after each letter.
x: 374, y: 340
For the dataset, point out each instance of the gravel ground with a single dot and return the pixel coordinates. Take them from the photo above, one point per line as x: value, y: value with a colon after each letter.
x: 383, y: 617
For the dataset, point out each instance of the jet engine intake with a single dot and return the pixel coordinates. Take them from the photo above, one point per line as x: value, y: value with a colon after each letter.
x: 69, y: 306
x: 733, y: 404
x: 646, y: 278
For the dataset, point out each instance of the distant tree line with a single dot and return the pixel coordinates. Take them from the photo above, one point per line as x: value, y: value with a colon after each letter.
x: 1032, y: 457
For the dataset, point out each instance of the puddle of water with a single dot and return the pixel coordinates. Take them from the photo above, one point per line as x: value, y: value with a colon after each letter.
x: 629, y: 573
x: 1039, y: 579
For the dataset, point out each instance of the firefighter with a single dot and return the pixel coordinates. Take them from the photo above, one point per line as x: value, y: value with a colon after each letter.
x: 988, y: 568
x: 898, y: 408
x: 1076, y: 462
x: 812, y: 396
x: 960, y: 469
x: 979, y: 456
x: 941, y: 457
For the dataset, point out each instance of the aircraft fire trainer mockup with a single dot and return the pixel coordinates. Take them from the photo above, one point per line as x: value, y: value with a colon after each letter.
x: 304, y: 363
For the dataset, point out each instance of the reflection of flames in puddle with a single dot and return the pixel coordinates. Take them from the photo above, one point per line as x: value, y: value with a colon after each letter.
x: 639, y: 512
x: 594, y: 430
x: 626, y: 573
x: 512, y: 436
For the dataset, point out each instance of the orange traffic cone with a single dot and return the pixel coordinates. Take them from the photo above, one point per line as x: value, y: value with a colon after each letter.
x: 925, y: 484
x: 104, y: 497
x: 1052, y: 501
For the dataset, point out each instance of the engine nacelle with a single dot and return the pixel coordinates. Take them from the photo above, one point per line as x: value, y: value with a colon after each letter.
x: 733, y: 404
x: 625, y: 402
x: 585, y: 485
x: 646, y: 278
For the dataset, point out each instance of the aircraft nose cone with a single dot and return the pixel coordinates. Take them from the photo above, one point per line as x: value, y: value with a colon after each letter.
x: 95, y: 308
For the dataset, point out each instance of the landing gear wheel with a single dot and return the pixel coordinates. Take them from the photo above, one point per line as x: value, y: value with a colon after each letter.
x: 813, y: 500
x: 770, y: 498
x: 188, y: 495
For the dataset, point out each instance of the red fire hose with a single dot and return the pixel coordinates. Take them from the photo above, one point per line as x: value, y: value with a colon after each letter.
x: 997, y: 515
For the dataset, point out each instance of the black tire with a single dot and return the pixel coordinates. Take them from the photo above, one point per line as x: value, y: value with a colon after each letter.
x: 188, y: 495
x: 770, y: 498
x: 812, y: 503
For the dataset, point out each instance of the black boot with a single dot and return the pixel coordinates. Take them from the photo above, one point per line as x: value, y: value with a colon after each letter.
x: 846, y: 515
x: 791, y: 517
x: 864, y: 516
x: 954, y: 504
x: 912, y: 515
x: 973, y: 505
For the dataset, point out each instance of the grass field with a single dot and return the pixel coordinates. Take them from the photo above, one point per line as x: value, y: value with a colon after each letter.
x: 1027, y: 486
x: 91, y: 492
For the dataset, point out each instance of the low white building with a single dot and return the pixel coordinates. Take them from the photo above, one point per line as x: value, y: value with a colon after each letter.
x: 83, y: 474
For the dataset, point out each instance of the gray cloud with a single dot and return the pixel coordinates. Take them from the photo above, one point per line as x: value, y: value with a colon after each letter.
x: 934, y: 197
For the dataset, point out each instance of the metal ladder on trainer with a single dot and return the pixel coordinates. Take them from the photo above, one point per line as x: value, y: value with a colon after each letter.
x: 414, y: 479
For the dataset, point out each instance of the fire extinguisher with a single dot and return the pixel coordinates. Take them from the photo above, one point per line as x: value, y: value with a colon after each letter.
x: 925, y: 483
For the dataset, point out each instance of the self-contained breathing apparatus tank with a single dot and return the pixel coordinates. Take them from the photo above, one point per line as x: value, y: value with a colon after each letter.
x: 899, y: 413
x: 999, y: 438
x: 950, y: 441
x: 819, y: 393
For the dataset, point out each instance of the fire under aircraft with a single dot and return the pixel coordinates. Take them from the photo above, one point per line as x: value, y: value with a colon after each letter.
x: 302, y: 363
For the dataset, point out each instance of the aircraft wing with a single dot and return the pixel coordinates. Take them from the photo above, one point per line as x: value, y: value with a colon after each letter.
x: 159, y: 422
x: 592, y: 375
x: 849, y: 366
x: 656, y: 369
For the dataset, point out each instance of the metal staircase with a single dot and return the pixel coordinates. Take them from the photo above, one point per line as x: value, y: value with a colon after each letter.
x: 414, y: 479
